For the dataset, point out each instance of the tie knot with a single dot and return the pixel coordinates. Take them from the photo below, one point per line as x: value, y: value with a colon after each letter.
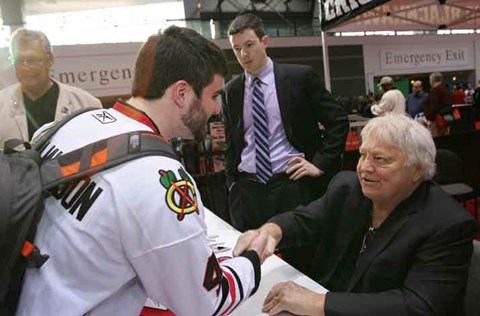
x: 257, y: 81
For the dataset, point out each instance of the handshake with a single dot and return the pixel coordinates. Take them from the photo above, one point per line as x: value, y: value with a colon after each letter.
x: 263, y: 241
x: 285, y: 296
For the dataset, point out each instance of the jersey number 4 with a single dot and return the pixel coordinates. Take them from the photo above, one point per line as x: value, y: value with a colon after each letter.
x: 213, y: 273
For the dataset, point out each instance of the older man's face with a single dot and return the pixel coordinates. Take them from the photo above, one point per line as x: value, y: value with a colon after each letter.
x: 32, y: 65
x: 383, y: 174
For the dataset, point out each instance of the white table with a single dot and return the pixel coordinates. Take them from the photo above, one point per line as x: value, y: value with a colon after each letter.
x: 274, y: 269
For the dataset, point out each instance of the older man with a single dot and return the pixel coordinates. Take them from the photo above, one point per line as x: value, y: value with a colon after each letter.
x: 416, y: 99
x: 390, y: 241
x: 36, y: 99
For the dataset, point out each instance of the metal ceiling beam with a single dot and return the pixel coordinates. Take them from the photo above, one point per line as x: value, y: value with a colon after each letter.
x: 13, y: 12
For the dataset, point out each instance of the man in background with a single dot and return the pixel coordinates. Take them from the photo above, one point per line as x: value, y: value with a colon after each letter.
x: 458, y: 94
x: 392, y: 99
x: 469, y: 93
x: 416, y: 99
x: 277, y: 157
x: 438, y: 98
x: 36, y: 99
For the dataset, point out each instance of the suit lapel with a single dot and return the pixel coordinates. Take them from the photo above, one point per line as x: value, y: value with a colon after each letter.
x: 282, y: 85
x: 382, y: 238
x: 383, y: 235
x: 355, y: 224
x: 236, y: 97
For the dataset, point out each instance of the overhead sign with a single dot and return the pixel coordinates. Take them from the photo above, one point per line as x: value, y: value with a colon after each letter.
x: 401, y: 58
x: 383, y: 15
x: 334, y: 12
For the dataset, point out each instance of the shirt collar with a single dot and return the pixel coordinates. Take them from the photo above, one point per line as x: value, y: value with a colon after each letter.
x: 266, y: 75
x: 135, y: 114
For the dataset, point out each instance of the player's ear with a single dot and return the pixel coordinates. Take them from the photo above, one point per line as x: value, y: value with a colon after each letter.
x: 179, y: 90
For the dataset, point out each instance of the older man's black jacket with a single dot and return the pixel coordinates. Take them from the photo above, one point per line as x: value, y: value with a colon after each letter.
x: 416, y: 263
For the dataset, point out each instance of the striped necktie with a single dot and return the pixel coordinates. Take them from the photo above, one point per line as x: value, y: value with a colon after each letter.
x: 262, y: 133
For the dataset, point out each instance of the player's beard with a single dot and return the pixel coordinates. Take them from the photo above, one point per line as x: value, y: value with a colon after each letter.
x: 196, y: 119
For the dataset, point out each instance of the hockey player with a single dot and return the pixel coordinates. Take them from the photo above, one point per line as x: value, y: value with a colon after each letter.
x: 138, y: 229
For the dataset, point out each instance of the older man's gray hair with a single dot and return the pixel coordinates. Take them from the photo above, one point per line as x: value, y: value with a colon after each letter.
x: 436, y: 77
x: 23, y: 35
x: 406, y: 134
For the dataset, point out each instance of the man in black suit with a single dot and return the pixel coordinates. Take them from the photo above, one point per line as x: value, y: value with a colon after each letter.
x: 299, y: 156
x: 389, y: 240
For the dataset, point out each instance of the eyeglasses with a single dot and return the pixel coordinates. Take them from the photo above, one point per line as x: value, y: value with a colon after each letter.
x: 28, y: 61
x: 367, y: 238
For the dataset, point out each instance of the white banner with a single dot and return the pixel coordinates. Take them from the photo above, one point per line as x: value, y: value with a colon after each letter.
x: 102, y: 70
x: 100, y: 74
x: 402, y: 58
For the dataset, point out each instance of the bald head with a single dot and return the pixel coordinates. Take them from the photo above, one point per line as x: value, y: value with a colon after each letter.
x: 417, y: 87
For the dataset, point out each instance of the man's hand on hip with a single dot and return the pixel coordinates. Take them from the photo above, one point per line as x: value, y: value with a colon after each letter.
x: 299, y: 167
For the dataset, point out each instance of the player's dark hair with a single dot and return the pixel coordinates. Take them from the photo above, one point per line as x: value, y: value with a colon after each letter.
x: 176, y: 54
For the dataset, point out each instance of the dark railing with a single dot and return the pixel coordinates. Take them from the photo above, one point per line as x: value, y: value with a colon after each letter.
x: 280, y: 27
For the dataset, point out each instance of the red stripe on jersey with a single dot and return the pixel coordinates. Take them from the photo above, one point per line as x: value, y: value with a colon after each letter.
x: 148, y: 311
x: 136, y: 114
x: 233, y: 291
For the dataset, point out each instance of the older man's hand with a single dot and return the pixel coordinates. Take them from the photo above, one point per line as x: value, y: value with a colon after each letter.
x: 293, y: 298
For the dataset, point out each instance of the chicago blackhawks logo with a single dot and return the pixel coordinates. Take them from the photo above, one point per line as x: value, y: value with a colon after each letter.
x: 181, y: 196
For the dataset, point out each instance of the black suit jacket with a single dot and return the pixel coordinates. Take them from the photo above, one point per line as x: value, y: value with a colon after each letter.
x: 416, y: 264
x: 303, y: 102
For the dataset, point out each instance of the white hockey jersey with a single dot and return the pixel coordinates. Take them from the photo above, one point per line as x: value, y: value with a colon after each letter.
x: 129, y: 232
